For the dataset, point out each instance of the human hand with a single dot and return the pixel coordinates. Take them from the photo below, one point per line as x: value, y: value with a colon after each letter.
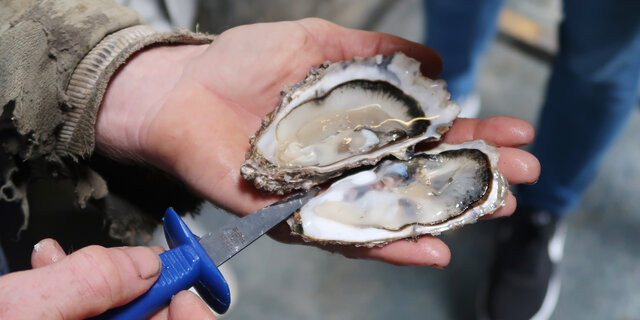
x: 190, y: 110
x: 87, y: 283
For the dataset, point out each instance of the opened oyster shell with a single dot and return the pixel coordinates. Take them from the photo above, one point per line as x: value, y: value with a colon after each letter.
x: 437, y: 190
x: 353, y: 113
x: 344, y: 115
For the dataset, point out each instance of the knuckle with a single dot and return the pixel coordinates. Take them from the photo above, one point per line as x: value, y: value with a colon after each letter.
x: 98, y: 272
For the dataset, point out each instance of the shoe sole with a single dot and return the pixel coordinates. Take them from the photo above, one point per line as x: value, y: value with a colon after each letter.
x: 556, y: 252
x: 544, y: 313
x: 550, y: 298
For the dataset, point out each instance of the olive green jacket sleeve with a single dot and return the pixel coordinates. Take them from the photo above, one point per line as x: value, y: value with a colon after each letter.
x: 56, y: 59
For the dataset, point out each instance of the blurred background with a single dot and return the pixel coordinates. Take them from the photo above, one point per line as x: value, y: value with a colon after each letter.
x: 600, y: 272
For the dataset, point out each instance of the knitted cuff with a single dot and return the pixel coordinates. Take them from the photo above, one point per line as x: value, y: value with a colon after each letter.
x: 89, y: 81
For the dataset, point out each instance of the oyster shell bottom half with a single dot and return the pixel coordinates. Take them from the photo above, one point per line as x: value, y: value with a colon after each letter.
x: 350, y: 114
x: 434, y: 191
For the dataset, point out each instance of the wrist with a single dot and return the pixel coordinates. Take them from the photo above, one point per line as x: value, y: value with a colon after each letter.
x: 135, y: 95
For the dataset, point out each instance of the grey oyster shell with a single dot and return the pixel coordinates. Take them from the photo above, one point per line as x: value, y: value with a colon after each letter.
x: 345, y: 115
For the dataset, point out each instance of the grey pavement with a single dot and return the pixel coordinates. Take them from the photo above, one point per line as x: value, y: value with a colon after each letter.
x: 601, y: 269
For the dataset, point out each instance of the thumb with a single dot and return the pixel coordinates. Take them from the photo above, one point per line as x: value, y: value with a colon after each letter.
x: 83, y: 284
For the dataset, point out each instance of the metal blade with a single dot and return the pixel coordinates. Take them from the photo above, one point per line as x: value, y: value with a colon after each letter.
x: 225, y: 242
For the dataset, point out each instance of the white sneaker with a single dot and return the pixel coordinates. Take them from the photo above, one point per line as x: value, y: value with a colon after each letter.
x: 469, y: 106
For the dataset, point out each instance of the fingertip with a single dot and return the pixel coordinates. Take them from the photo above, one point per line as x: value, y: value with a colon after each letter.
x: 507, y: 131
x: 509, y: 206
x: 506, y: 210
x: 500, y: 130
x: 518, y: 166
x: 437, y: 251
x: 187, y: 305
x: 46, y: 252
x: 525, y: 131
x: 162, y: 314
x: 425, y: 251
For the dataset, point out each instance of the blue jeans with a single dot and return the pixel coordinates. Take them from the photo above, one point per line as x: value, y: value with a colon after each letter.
x: 592, y: 90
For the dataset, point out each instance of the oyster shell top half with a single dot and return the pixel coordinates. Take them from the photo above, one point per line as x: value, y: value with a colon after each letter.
x: 344, y: 115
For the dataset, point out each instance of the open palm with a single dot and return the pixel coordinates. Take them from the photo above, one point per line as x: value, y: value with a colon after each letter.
x: 197, y: 125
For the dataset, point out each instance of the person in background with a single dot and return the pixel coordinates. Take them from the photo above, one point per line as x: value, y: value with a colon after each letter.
x: 591, y: 92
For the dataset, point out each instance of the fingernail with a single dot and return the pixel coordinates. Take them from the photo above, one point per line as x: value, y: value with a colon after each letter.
x: 38, y: 246
x: 147, y: 262
x: 42, y: 244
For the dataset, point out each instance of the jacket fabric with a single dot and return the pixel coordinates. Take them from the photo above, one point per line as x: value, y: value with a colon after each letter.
x: 56, y: 60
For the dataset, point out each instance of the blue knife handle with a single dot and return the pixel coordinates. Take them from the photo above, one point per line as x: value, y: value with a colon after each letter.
x: 185, y: 265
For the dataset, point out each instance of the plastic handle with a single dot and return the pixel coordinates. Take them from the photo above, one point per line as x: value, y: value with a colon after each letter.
x: 185, y: 265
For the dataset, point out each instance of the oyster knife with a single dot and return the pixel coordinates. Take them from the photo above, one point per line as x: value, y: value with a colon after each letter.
x: 193, y: 260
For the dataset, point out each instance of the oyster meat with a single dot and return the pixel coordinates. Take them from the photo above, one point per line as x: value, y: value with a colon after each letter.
x: 344, y: 115
x: 434, y: 191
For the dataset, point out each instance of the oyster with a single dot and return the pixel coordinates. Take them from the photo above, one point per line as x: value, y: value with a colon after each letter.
x: 349, y: 114
x: 434, y: 191
x: 344, y: 115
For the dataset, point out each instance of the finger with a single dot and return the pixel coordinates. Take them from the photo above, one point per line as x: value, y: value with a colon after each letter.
x: 501, y: 131
x: 85, y: 283
x: 426, y: 251
x: 506, y: 210
x: 340, y: 43
x: 184, y: 305
x: 187, y: 305
x: 518, y: 166
x: 46, y: 252
x: 163, y: 314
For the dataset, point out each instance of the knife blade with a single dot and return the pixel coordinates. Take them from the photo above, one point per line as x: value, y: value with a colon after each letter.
x: 225, y: 242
